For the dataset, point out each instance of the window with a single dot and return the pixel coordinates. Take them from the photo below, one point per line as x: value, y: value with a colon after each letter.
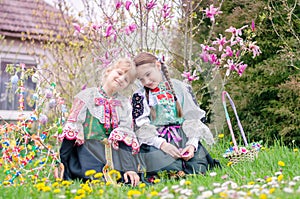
x: 9, y: 97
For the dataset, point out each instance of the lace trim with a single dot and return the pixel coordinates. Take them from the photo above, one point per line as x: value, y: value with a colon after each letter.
x: 117, y: 136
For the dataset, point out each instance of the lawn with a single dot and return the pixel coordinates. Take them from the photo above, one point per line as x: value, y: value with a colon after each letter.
x: 273, y: 174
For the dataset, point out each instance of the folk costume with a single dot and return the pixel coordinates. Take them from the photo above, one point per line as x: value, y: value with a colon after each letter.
x: 166, y: 126
x: 98, y: 135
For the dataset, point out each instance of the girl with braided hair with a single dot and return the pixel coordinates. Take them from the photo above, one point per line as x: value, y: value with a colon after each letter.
x: 168, y: 122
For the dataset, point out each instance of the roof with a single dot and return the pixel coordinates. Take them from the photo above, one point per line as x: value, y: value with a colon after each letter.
x: 30, y: 16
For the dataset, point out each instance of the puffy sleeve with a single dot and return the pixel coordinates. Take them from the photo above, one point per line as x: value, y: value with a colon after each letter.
x: 193, y: 127
x: 73, y: 128
x: 124, y: 132
x: 146, y: 132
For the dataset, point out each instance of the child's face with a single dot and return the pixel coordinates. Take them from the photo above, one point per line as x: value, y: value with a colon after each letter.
x: 149, y: 75
x: 117, y: 79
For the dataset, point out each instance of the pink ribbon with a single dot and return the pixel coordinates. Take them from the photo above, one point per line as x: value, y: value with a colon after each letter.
x: 171, y: 132
x: 110, y: 114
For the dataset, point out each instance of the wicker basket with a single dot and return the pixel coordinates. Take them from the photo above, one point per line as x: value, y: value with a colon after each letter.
x: 237, y: 154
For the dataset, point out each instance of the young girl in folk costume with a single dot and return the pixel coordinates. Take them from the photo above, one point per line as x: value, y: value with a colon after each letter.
x: 98, y: 134
x: 168, y: 121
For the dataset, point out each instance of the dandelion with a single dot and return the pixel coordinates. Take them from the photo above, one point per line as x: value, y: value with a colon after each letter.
x: 131, y: 193
x: 142, y: 185
x: 115, y: 174
x: 188, y: 183
x: 108, y: 183
x: 80, y: 192
x: 263, y: 196
x: 101, y: 191
x: 56, y: 191
x: 89, y: 173
x: 154, y: 193
x: 46, y: 189
x: 229, y: 164
x: 295, y: 150
x: 251, y: 183
x: 221, y: 136
x: 281, y: 163
x: 156, y: 181
x: 272, y: 190
x: 98, y: 175
x: 280, y: 177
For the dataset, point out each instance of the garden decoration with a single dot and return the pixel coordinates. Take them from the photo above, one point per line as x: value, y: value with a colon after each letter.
x: 28, y: 146
x: 237, y: 154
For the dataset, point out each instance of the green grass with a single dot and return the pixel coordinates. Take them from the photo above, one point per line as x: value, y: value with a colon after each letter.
x: 258, y: 179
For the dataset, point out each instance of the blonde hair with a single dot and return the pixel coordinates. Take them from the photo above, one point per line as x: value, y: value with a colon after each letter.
x: 126, y: 65
x: 148, y: 58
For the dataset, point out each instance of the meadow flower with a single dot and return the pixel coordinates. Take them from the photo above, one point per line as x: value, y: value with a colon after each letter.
x: 156, y: 181
x: 98, y: 175
x: 281, y: 163
x: 212, y: 174
x: 280, y: 177
x: 142, y: 185
x: 295, y: 150
x: 115, y: 174
x: 56, y: 191
x: 89, y: 172
x: 134, y: 193
x: 101, y: 191
x: 288, y: 190
x: 154, y: 193
x: 80, y: 192
x: 263, y: 196
x: 221, y: 135
x: 188, y: 183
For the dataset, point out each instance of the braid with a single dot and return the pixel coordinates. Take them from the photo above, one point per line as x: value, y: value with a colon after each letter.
x: 152, y: 111
x: 166, y: 74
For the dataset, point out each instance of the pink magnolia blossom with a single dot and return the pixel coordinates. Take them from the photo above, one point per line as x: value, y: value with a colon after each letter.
x: 166, y: 11
x: 78, y: 29
x: 230, y: 65
x: 204, y: 56
x: 207, y: 48
x: 220, y: 41
x: 130, y: 29
x: 127, y: 5
x: 211, y: 12
x: 228, y: 52
x: 236, y: 32
x: 118, y: 4
x: 95, y: 26
x: 190, y: 77
x: 109, y: 31
x: 241, y: 68
x: 254, y: 48
x: 151, y: 5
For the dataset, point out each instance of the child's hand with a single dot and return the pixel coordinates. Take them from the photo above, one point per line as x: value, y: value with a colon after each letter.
x: 171, y: 150
x: 188, y: 152
x: 133, y: 176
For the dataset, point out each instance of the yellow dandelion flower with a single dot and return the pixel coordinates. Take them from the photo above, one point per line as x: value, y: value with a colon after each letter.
x: 89, y: 172
x: 98, y: 175
x: 281, y: 163
x: 229, y: 164
x: 66, y: 183
x: 156, y: 181
x: 142, y: 185
x: 80, y: 192
x: 223, y: 195
x: 95, y: 181
x: 221, y: 136
x: 154, y: 193
x: 269, y: 179
x: 115, y: 174
x: 56, y: 191
x: 251, y: 183
x: 102, y: 183
x: 108, y: 183
x: 131, y: 193
x: 272, y: 190
x: 58, y: 179
x: 55, y: 184
x: 46, y: 189
x: 101, y: 191
x: 280, y: 177
x: 295, y: 150
x: 263, y: 196
x: 187, y: 182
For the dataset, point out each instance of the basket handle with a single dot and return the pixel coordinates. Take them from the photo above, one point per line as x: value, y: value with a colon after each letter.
x: 225, y: 94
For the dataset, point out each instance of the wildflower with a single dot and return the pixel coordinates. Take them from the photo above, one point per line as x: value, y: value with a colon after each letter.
x: 223, y: 195
x: 280, y: 177
x: 101, y: 191
x: 150, y: 5
x: 190, y: 77
x: 295, y: 150
x: 221, y: 135
x: 281, y: 163
x: 55, y: 184
x: 255, y: 49
x: 251, y: 183
x: 66, y: 183
x: 156, y: 181
x: 46, y: 189
x: 288, y: 190
x: 118, y: 4
x: 263, y: 196
x: 89, y: 173
x: 188, y: 183
x: 115, y: 174
x: 108, y: 183
x: 80, y: 192
x: 131, y: 193
x: 98, y: 175
x: 142, y: 185
x: 229, y: 164
x: 56, y: 191
x: 272, y: 190
x: 154, y: 193
x: 127, y: 5
x: 253, y: 26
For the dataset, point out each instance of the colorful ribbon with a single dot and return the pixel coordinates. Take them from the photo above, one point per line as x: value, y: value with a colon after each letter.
x: 110, y: 113
x: 171, y: 132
